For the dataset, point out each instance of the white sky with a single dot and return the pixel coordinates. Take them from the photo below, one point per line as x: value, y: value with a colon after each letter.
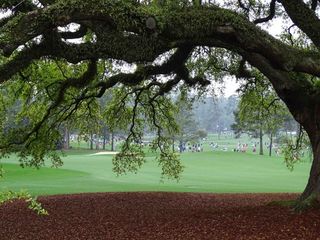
x: 230, y: 86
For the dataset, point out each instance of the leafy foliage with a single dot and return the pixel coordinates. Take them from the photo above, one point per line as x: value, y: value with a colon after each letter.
x: 33, y: 204
x: 294, y: 149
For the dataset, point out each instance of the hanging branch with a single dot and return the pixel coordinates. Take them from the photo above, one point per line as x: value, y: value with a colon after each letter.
x: 272, y: 11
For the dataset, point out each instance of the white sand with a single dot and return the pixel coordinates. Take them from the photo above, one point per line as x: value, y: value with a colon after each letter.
x: 105, y: 153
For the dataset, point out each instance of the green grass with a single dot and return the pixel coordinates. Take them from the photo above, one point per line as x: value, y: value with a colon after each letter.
x: 211, y: 171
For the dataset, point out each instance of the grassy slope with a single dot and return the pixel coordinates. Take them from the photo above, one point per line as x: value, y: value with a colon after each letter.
x: 205, y: 172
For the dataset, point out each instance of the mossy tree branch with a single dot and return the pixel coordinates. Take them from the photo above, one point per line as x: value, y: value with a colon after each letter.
x: 305, y: 18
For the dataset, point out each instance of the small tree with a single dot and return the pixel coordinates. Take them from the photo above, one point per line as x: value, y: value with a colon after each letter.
x: 185, y: 119
x: 260, y: 111
x: 202, y: 133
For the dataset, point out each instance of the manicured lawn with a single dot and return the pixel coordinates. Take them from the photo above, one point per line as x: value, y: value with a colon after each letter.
x: 211, y: 171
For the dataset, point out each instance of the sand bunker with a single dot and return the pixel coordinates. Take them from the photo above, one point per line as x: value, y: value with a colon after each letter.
x: 104, y: 153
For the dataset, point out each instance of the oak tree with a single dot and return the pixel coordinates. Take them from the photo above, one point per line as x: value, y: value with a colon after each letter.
x: 160, y: 38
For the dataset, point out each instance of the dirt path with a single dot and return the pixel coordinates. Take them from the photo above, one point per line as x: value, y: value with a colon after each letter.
x: 159, y: 216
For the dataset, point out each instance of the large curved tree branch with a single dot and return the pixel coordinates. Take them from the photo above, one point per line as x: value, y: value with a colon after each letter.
x: 129, y: 38
x: 22, y: 60
x: 288, y: 90
x: 34, y: 23
x: 305, y: 18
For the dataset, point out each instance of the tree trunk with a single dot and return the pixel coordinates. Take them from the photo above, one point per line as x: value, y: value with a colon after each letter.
x: 312, y: 190
x: 112, y: 141
x: 261, y: 141
x: 97, y: 142
x: 66, y: 140
x: 306, y: 111
x: 104, y: 138
x: 310, y: 122
x: 270, y: 146
x: 173, y: 145
x: 91, y: 141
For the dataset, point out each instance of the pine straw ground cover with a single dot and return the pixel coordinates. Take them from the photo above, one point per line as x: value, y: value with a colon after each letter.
x: 159, y: 216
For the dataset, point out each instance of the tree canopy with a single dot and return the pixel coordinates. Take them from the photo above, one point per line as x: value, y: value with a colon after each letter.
x: 161, y: 45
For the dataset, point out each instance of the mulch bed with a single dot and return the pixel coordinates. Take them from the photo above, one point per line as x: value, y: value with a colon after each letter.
x: 159, y: 216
